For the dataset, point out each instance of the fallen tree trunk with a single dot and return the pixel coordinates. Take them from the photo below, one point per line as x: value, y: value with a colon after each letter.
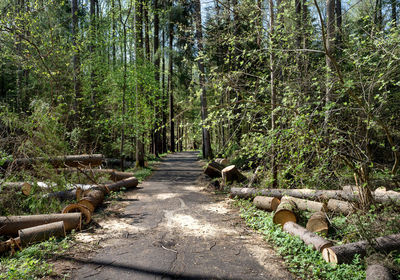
x: 305, y: 205
x: 24, y: 187
x: 345, y: 253
x: 40, y: 233
x: 12, y: 224
x: 60, y: 161
x: 284, y: 213
x: 93, y: 197
x: 339, y: 206
x: 308, y: 237
x: 378, y: 271
x: 381, y: 195
x: 113, y: 174
x: 231, y: 174
x: 266, y: 203
x: 318, y: 223
x: 319, y: 195
x: 222, y: 161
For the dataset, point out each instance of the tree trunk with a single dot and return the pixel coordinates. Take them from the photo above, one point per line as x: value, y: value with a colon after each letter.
x: 394, y: 12
x: 12, y: 224
x: 318, y: 223
x: 305, y: 205
x: 345, y: 253
x: 206, y: 147
x: 266, y: 203
x: 157, y: 110
x: 76, y: 60
x: 310, y: 238
x: 339, y: 206
x: 378, y: 271
x: 40, y: 233
x: 170, y: 87
x: 23, y: 187
x: 319, y: 195
x: 284, y: 213
x: 330, y: 49
x: 231, y: 174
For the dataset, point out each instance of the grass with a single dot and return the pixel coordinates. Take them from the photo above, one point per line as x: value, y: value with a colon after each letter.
x: 33, y: 261
x: 301, y: 259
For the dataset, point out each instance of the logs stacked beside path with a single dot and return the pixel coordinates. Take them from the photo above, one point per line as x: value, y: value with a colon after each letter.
x: 25, y: 230
x: 320, y: 202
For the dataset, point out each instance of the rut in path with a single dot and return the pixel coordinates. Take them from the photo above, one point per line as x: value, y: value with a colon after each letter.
x: 174, y: 230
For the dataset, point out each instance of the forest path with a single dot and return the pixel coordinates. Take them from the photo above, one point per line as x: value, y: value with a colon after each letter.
x: 172, y: 229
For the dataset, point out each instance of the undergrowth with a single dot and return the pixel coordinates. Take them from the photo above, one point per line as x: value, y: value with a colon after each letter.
x: 33, y: 261
x: 301, y: 259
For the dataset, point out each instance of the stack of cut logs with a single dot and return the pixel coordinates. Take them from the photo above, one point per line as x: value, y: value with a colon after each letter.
x: 286, y: 204
x: 25, y: 230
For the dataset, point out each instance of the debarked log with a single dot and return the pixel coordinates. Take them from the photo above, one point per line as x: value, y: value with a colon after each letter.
x: 309, y: 238
x: 318, y: 223
x: 345, y: 253
x: 12, y: 224
x: 266, y: 203
x: 40, y: 233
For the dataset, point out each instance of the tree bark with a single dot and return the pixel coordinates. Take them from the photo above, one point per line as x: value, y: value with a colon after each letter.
x: 339, y: 206
x: 330, y: 49
x: 157, y: 110
x: 266, y: 203
x: 378, y: 271
x: 305, y: 205
x: 40, y: 233
x: 170, y: 87
x: 345, y: 253
x: 318, y: 243
x: 206, y: 147
x: 12, y: 224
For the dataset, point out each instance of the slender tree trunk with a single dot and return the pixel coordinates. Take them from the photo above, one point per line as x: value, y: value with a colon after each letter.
x: 164, y: 96
x: 330, y: 48
x: 338, y: 10
x: 394, y: 12
x: 157, y: 137
x: 207, y: 153
x: 113, y: 26
x: 274, y: 168
x: 170, y: 87
x: 76, y: 60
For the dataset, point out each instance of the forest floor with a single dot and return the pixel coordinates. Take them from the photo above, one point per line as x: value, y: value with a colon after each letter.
x: 172, y: 227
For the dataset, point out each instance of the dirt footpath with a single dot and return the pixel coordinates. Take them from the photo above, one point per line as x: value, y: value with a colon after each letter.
x: 172, y: 229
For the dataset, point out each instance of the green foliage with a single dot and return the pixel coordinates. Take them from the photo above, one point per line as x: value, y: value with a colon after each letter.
x: 33, y: 262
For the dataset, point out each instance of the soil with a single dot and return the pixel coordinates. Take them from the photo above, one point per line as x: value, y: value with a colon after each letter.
x: 172, y: 227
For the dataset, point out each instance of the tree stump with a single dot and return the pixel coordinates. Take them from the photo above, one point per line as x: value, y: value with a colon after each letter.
x: 231, y: 174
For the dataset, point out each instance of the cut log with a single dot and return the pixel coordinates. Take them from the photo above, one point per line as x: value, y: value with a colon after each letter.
x: 222, y: 161
x: 318, y: 223
x: 127, y: 183
x: 11, y: 224
x: 266, y: 203
x: 216, y: 165
x: 318, y: 243
x: 73, y: 208
x: 378, y: 271
x: 92, y: 199
x: 285, y: 213
x: 345, y: 253
x: 231, y: 174
x: 60, y: 161
x: 113, y: 174
x: 305, y: 205
x: 381, y: 195
x: 339, y: 206
x: 24, y: 187
x: 212, y: 172
x: 40, y: 233
x: 319, y: 195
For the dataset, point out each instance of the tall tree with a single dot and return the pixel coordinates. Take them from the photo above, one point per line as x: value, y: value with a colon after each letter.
x: 206, y: 146
x: 170, y: 85
x: 157, y: 110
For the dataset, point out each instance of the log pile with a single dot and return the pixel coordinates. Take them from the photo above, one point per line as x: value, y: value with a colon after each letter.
x: 25, y: 230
